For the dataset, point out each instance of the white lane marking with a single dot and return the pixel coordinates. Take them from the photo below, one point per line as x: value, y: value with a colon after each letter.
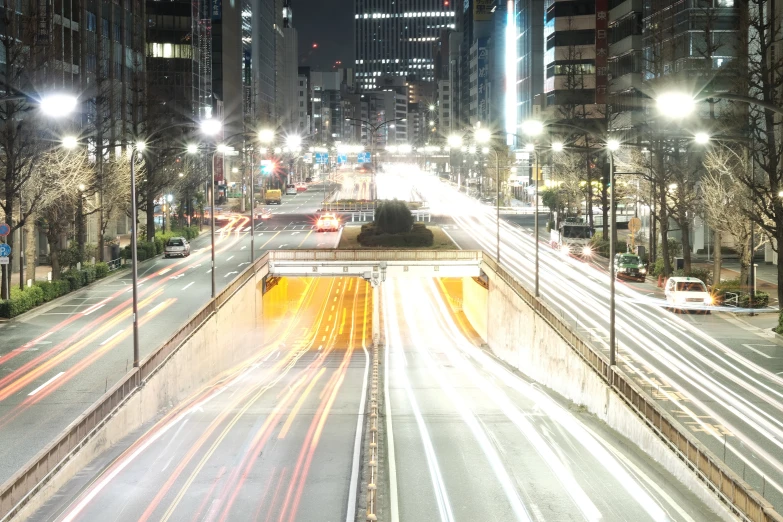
x: 243, y: 264
x: 187, y: 286
x: 243, y: 247
x: 209, y: 271
x: 228, y: 274
x: 230, y: 258
x: 246, y: 229
x: 281, y: 246
x: 164, y: 271
x: 155, y: 307
x: 112, y: 337
x: 177, y: 276
x: 750, y: 347
x: 44, y: 385
x: 92, y: 309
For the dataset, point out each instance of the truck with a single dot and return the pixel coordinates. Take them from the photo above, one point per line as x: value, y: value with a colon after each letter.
x: 572, y: 237
x: 274, y: 196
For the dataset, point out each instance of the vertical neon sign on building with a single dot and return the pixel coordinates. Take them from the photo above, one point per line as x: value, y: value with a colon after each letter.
x: 511, y: 74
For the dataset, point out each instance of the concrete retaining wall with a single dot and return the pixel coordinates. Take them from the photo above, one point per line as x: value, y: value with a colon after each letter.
x: 474, y: 304
x: 523, y: 339
x: 226, y: 339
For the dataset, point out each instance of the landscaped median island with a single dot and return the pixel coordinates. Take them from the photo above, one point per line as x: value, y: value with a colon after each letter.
x: 394, y: 228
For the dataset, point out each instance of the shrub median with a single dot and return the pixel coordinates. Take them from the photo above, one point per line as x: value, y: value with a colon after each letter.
x: 44, y: 291
x: 419, y: 236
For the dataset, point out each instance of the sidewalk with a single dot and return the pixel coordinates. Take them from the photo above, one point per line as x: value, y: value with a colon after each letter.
x: 766, y: 274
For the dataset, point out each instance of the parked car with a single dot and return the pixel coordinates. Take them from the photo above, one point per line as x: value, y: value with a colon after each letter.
x: 328, y: 223
x: 629, y: 266
x: 176, y: 246
x: 689, y: 291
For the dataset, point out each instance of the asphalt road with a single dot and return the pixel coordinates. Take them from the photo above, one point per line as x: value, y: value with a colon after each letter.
x: 471, y: 441
x: 719, y: 374
x: 57, y: 361
x: 276, y: 441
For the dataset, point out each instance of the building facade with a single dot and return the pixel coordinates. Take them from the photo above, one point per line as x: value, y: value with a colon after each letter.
x: 396, y: 38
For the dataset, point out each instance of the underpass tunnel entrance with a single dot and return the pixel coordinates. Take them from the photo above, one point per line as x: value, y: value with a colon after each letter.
x: 318, y: 314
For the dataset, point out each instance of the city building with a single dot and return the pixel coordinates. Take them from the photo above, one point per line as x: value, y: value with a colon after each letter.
x: 475, y: 25
x: 289, y: 76
x: 530, y: 72
x: 394, y: 38
x: 303, y: 105
x: 263, y: 42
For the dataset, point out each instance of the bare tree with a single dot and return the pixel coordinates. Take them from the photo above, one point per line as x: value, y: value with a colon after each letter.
x: 727, y: 203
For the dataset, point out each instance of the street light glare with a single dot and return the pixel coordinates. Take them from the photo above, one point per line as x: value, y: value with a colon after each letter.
x: 140, y: 146
x: 485, y: 150
x: 532, y: 127
x: 70, y: 142
x: 266, y: 136
x: 294, y: 141
x: 557, y: 146
x: 612, y: 144
x: 192, y: 148
x: 211, y: 126
x: 530, y: 147
x: 675, y: 105
x: 702, y: 138
x: 58, y: 105
x: 483, y: 135
x: 455, y: 141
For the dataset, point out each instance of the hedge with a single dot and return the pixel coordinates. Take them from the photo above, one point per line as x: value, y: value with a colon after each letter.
x: 149, y: 249
x: 419, y: 236
x: 743, y: 298
x: 44, y: 291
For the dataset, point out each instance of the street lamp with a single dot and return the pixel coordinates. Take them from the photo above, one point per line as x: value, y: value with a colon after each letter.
x: 58, y: 105
x: 612, y: 146
x: 702, y: 138
x: 533, y: 129
x: 484, y: 136
x: 675, y: 105
x: 266, y: 136
x: 70, y: 142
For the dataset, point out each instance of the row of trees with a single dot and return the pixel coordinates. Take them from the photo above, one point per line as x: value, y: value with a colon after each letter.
x: 735, y: 181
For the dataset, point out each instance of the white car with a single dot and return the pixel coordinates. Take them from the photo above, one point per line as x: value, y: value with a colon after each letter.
x: 688, y: 291
x: 328, y: 223
x: 176, y: 246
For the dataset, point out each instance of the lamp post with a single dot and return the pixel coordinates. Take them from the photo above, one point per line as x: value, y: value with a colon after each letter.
x: 483, y: 135
x: 223, y: 150
x: 134, y: 256
x: 533, y: 129
x: 611, y: 146
x: 374, y: 129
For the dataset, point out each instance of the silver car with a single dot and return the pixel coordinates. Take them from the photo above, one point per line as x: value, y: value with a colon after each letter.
x: 176, y: 246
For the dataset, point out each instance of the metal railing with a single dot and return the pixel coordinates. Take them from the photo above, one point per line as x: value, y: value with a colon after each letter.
x: 738, y: 495
x: 114, y: 264
x: 372, y: 464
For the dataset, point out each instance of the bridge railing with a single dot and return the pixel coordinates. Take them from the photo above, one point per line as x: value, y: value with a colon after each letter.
x: 374, y: 255
x: 738, y: 495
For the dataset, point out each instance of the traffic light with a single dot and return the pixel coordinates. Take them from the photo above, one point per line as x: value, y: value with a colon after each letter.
x: 267, y: 167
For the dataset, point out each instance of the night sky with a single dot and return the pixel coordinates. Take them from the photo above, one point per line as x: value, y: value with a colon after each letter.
x: 329, y: 23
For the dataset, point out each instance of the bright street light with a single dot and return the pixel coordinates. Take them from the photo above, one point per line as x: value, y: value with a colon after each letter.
x: 483, y: 135
x: 70, y: 142
x: 472, y: 149
x: 266, y: 136
x: 223, y: 148
x: 530, y: 147
x: 432, y: 107
x: 58, y: 105
x: 192, y: 148
x: 612, y: 145
x: 485, y: 150
x: 211, y: 126
x: 701, y: 138
x: 455, y: 141
x: 557, y: 146
x: 293, y: 141
x: 675, y: 105
x: 405, y: 149
x: 532, y: 127
x: 234, y: 170
x: 169, y: 198
x: 140, y: 146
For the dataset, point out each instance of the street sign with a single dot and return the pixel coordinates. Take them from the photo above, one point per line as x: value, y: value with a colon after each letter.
x: 364, y: 157
x: 308, y: 157
x: 3, y: 260
x: 634, y: 225
x: 267, y: 167
x: 5, y: 250
x: 342, y: 158
x: 4, y: 229
x: 322, y: 158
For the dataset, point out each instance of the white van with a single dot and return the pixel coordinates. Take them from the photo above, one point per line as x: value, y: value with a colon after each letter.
x: 687, y: 291
x: 290, y: 190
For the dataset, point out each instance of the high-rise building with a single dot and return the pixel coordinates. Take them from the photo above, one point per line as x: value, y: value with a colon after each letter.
x: 474, y: 21
x: 303, y: 105
x: 289, y: 76
x: 530, y: 72
x: 396, y: 38
x: 263, y: 60
x: 227, y: 65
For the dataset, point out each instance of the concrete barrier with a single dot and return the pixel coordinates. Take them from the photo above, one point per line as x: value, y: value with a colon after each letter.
x: 223, y: 334
x: 525, y: 333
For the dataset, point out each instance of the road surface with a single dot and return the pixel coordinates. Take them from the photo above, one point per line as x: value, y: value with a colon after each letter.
x: 275, y: 441
x: 57, y: 361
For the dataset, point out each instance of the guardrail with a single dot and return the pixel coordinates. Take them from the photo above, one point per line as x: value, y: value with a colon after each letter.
x: 16, y: 491
x: 372, y: 464
x: 374, y: 255
x: 738, y: 495
x: 114, y: 264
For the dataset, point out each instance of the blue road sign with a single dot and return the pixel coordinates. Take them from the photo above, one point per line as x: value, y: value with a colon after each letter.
x: 5, y: 250
x: 342, y: 158
x: 364, y: 157
x: 4, y: 229
x: 322, y: 158
x: 267, y: 167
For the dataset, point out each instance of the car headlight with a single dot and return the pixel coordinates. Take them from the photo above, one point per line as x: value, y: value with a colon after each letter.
x: 587, y: 251
x: 709, y: 300
x: 642, y: 270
